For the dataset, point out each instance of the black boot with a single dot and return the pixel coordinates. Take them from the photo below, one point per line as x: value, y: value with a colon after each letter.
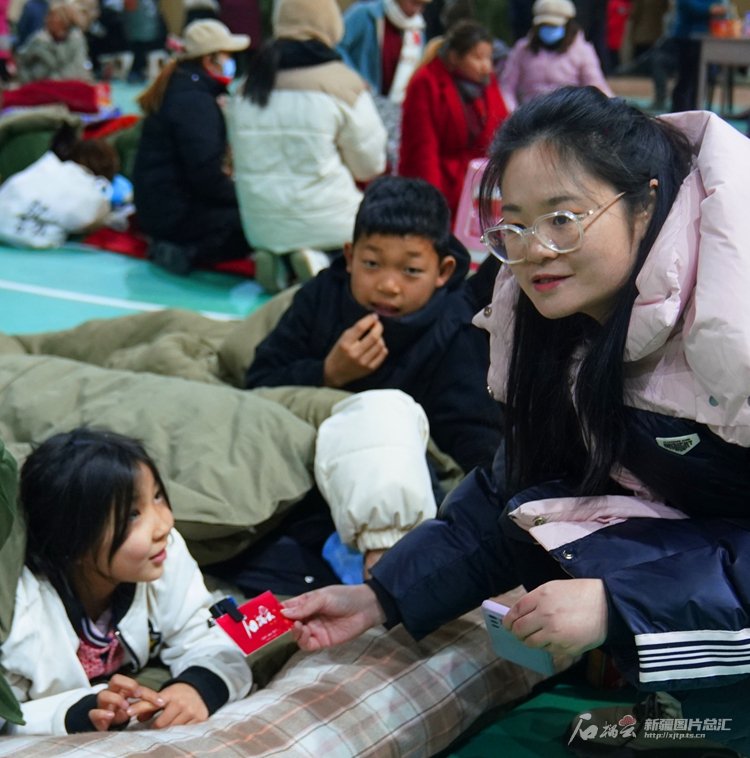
x: 172, y: 256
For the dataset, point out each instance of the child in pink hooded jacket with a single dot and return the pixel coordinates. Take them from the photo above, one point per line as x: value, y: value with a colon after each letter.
x: 554, y: 54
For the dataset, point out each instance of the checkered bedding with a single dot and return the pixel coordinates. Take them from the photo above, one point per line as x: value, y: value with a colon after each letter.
x: 380, y: 695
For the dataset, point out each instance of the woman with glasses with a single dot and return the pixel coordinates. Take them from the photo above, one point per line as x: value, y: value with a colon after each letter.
x: 620, y: 347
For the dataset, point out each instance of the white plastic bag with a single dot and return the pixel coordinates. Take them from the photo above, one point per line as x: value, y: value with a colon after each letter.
x: 41, y: 205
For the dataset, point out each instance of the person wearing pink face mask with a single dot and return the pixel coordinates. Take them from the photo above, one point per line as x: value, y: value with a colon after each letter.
x: 184, y: 196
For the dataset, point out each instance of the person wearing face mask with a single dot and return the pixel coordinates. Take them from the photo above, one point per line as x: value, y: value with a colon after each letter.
x: 184, y: 195
x: 452, y: 108
x: 554, y: 54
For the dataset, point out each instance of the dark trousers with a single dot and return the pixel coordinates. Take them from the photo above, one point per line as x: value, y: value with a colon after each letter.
x: 685, y: 92
x: 215, y: 233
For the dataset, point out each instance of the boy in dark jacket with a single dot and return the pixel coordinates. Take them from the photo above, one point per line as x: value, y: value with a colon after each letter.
x: 394, y: 313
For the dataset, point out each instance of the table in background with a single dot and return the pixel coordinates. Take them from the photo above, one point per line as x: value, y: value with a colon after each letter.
x: 726, y: 51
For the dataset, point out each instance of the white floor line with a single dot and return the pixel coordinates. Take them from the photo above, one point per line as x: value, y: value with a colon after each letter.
x: 111, y: 302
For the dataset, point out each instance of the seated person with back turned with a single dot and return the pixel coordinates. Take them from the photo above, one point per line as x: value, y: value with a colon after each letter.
x: 394, y: 313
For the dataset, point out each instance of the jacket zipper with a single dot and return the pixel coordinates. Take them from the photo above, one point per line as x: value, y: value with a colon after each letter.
x: 134, y: 662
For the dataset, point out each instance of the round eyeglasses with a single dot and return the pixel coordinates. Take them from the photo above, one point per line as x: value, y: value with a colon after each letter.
x: 559, y: 231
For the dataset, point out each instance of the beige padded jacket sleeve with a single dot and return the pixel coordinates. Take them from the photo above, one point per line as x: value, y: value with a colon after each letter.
x: 370, y: 466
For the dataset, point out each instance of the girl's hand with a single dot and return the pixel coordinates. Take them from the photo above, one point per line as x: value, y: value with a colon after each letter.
x: 565, y: 617
x: 332, y: 615
x: 115, y: 706
x: 183, y: 705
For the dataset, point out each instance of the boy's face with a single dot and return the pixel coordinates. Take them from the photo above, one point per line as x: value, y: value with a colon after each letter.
x: 393, y: 275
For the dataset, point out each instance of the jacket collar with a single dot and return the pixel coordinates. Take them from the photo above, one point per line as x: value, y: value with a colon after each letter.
x: 698, y: 271
x: 194, y: 71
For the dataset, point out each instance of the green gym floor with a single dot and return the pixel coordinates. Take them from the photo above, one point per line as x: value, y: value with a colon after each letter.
x: 537, y: 728
x: 46, y: 290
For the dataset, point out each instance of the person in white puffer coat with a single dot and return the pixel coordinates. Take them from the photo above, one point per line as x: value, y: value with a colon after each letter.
x: 304, y: 130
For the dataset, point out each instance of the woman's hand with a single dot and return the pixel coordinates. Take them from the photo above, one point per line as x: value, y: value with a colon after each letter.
x: 122, y: 699
x: 565, y: 617
x: 332, y: 615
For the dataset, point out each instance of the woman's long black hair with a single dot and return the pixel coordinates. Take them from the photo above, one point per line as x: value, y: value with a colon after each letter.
x: 550, y: 433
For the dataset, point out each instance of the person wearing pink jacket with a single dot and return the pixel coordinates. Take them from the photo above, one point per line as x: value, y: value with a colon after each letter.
x: 554, y: 54
x: 620, y: 350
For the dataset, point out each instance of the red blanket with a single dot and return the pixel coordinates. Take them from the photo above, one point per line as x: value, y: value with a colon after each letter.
x: 80, y: 97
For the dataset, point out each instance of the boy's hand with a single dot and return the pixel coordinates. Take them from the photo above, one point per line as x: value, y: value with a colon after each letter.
x: 359, y: 351
x: 115, y: 705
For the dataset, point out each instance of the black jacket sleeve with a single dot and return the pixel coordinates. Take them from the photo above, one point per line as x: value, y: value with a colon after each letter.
x: 286, y: 356
x: 447, y: 566
x: 210, y: 686
x: 677, y: 593
x: 77, y: 717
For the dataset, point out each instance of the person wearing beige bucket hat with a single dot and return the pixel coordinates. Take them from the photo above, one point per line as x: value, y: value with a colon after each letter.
x: 208, y: 37
x: 184, y: 197
x: 553, y: 12
x: 553, y: 54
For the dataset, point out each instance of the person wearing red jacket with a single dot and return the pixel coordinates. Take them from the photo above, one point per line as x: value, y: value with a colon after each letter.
x: 452, y: 108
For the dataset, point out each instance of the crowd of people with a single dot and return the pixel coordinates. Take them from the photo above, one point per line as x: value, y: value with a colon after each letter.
x: 254, y: 148
x: 274, y: 171
x: 598, y: 416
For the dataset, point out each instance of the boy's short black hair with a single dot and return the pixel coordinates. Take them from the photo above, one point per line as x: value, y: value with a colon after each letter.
x: 398, y: 206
